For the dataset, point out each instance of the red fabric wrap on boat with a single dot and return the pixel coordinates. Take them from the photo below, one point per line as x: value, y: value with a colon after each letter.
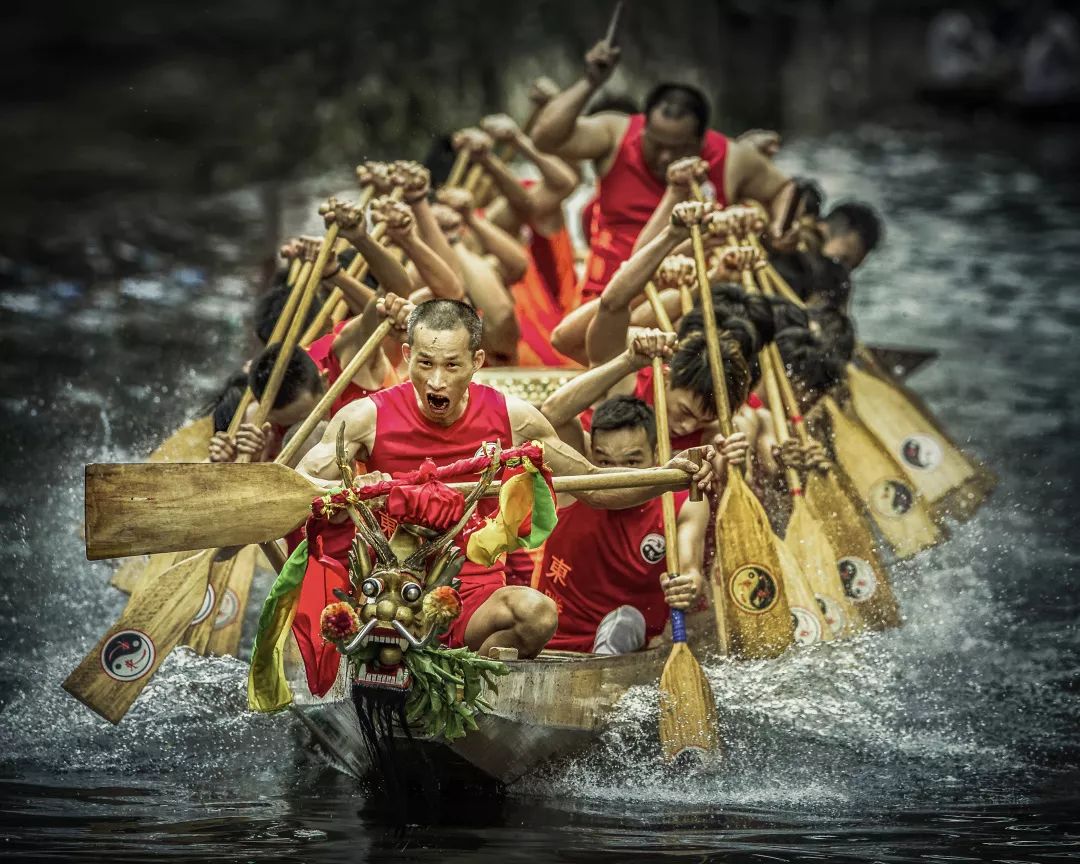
x: 433, y: 504
x: 328, y: 547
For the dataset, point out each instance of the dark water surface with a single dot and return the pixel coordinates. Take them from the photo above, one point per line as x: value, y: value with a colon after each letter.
x: 954, y: 738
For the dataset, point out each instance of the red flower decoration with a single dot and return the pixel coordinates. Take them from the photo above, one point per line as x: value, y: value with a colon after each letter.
x: 339, y: 622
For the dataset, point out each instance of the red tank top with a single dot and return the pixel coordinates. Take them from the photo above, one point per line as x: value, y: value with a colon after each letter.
x: 537, y: 314
x: 321, y: 351
x: 598, y: 560
x: 404, y: 438
x: 628, y: 196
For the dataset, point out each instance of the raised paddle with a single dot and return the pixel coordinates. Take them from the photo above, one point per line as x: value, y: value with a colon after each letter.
x: 687, y: 706
x: 140, y: 508
x: 749, y: 602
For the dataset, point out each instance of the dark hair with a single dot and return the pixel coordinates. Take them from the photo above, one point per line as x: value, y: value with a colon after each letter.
x: 440, y: 159
x: 787, y: 314
x: 810, y: 194
x: 858, y: 217
x: 625, y: 412
x: 677, y: 101
x: 222, y: 406
x: 447, y: 315
x: 301, y: 375
x: 689, y: 369
x: 604, y: 101
x: 832, y: 282
x: 808, y: 360
x: 741, y: 310
x: 835, y: 331
x: 268, y: 309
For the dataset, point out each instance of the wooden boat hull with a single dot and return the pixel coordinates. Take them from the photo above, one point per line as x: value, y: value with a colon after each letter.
x: 546, y: 708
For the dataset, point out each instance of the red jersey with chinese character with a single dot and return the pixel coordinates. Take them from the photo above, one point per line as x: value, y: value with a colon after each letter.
x: 598, y: 560
x: 628, y: 195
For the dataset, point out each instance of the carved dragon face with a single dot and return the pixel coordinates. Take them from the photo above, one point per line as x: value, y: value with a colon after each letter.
x: 404, y: 598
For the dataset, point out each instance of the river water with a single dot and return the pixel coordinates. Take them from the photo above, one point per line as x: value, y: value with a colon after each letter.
x: 955, y: 737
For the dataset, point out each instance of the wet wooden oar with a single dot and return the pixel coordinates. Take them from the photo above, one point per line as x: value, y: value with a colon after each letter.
x: 140, y: 508
x: 749, y: 602
x: 897, y: 510
x: 228, y: 621
x: 111, y: 676
x: 687, y: 705
x: 863, y: 577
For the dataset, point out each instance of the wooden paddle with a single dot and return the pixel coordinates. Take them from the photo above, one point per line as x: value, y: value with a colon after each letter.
x: 115, y: 671
x: 863, y: 576
x: 897, y: 510
x: 804, y: 536
x: 663, y: 321
x: 749, y: 602
x: 229, y: 619
x: 154, y: 508
x: 687, y: 706
x: 949, y: 481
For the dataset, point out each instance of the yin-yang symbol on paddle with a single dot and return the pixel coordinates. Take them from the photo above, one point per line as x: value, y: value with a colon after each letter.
x: 891, y: 497
x: 753, y: 589
x: 807, y: 627
x: 921, y: 452
x: 128, y: 655
x: 857, y: 577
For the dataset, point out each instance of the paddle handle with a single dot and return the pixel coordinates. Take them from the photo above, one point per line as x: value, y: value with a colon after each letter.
x: 662, y: 318
x: 678, y: 625
x: 457, y: 173
x: 374, y: 341
x: 712, y: 335
x: 294, y: 271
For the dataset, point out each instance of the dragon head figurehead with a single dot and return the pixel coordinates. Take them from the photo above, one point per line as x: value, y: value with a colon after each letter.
x: 404, y: 589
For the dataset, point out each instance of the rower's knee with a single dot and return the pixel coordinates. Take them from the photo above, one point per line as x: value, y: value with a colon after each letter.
x: 535, y: 619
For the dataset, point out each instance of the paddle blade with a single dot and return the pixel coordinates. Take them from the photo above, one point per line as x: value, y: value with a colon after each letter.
x: 198, y: 634
x: 862, y: 573
x: 894, y: 505
x: 187, y: 444
x: 933, y: 464
x: 749, y: 594
x: 687, y: 708
x: 113, y: 674
x: 229, y: 619
x: 146, y: 507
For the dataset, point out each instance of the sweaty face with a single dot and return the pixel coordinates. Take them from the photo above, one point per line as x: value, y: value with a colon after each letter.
x: 440, y: 368
x: 666, y: 139
x: 622, y: 448
x: 296, y: 411
x: 686, y: 414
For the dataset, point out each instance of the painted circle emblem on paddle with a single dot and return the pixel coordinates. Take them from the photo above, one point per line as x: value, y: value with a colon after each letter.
x: 858, y: 577
x: 227, y: 609
x: 921, y: 452
x: 807, y: 626
x: 128, y: 655
x: 207, y: 605
x: 832, y: 613
x: 891, y: 498
x: 652, y: 548
x: 753, y: 589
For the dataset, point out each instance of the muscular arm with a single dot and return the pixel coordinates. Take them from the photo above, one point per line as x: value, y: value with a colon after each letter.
x: 383, y: 266
x: 606, y: 335
x: 661, y: 217
x: 528, y: 424
x: 432, y: 234
x: 562, y: 131
x: 513, y: 262
x: 357, y: 294
x: 320, y: 463
x: 352, y: 338
x: 487, y: 293
x: 691, y: 525
x: 748, y: 174
x: 433, y: 271
x: 562, y: 407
